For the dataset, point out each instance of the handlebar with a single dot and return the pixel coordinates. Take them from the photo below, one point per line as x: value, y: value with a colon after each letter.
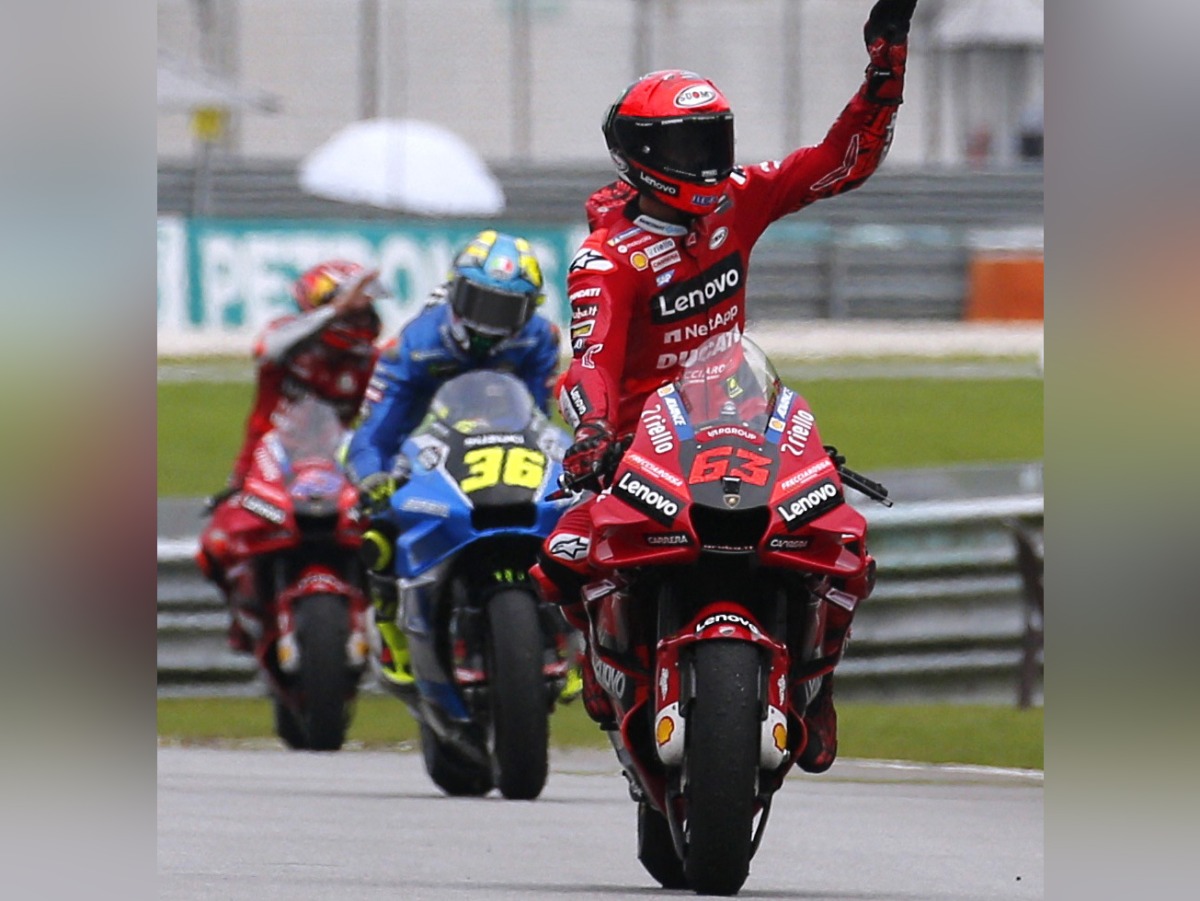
x: 872, y: 489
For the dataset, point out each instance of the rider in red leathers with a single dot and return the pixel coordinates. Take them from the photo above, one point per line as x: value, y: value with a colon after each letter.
x: 664, y: 270
x: 327, y: 349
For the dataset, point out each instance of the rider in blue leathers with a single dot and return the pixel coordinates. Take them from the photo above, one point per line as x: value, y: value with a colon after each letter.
x: 482, y: 318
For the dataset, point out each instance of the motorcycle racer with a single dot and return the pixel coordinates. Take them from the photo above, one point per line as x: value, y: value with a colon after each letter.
x: 326, y: 349
x: 664, y: 271
x: 484, y: 317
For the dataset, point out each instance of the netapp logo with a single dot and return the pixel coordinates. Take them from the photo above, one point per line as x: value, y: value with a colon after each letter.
x: 696, y: 295
x: 808, y: 506
x: 652, y: 501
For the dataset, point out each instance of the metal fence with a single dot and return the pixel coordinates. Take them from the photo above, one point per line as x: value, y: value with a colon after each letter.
x: 949, y: 620
x: 897, y: 248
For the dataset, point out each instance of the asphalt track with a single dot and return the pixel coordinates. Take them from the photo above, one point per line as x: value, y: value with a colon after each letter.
x: 264, y: 823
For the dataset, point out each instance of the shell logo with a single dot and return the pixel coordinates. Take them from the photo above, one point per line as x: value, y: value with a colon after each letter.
x: 639, y: 260
x: 664, y: 730
x: 779, y: 735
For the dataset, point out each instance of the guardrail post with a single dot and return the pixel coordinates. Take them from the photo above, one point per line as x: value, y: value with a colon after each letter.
x: 1031, y: 566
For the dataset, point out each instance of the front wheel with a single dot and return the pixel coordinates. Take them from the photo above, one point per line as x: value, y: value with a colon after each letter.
x: 520, y: 727
x: 721, y: 766
x: 325, y: 680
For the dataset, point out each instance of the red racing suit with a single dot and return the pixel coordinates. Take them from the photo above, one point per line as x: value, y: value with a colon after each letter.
x: 294, y: 361
x: 646, y: 294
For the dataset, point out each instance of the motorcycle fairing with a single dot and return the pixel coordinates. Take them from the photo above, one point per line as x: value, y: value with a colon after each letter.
x: 720, y: 621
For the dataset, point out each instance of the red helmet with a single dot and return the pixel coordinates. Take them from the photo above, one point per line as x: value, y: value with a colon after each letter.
x: 670, y: 135
x: 320, y: 285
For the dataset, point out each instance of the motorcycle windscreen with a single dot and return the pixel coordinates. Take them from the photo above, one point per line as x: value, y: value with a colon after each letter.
x: 730, y: 382
x: 490, y: 427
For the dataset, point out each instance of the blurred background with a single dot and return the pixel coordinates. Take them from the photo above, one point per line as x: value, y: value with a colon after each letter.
x: 908, y: 311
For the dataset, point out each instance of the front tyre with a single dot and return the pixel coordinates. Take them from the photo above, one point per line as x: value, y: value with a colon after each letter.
x: 520, y: 727
x: 721, y: 766
x: 325, y: 682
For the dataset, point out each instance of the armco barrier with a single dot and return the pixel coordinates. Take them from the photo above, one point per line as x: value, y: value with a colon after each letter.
x: 947, y: 621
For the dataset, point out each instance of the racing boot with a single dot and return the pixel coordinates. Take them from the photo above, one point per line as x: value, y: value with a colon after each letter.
x: 821, y: 719
x: 595, y: 699
x: 393, y: 658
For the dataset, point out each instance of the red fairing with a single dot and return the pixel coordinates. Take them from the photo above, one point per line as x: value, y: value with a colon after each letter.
x: 811, y: 526
x: 646, y: 294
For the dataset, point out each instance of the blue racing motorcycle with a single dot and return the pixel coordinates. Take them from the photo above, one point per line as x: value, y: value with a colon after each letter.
x: 488, y: 657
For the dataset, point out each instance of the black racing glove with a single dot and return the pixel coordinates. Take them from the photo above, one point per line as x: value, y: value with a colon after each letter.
x: 375, y: 492
x: 215, y: 500
x: 886, y: 36
x: 889, y: 19
x: 587, y: 459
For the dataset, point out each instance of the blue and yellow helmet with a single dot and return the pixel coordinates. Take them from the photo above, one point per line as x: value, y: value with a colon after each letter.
x: 495, y: 286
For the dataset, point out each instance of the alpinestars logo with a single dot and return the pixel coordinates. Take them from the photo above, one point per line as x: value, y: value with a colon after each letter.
x: 591, y: 260
x: 693, y: 297
x: 570, y: 547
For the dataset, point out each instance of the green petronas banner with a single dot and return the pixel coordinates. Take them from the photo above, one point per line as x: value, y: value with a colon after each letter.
x: 221, y: 281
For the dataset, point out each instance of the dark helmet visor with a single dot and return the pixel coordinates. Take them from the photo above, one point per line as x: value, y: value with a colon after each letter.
x: 697, y: 149
x: 489, y: 311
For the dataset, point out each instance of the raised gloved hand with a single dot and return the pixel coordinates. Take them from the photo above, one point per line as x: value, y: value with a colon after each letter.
x: 585, y: 460
x: 886, y: 37
x: 375, y: 492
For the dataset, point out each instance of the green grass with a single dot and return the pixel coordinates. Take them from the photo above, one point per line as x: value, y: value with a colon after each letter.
x: 988, y: 736
x: 876, y: 423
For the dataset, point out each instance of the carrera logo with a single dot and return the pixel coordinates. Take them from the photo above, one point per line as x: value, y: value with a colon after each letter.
x: 663, y: 262
x: 669, y: 539
x: 694, y: 96
x: 696, y: 295
x: 654, y: 502
x: 779, y: 543
x: 796, y: 511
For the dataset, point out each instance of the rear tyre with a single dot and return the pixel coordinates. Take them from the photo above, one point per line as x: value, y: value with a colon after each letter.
x: 721, y: 766
x: 324, y: 680
x: 520, y: 727
x: 656, y: 850
x: 450, y: 771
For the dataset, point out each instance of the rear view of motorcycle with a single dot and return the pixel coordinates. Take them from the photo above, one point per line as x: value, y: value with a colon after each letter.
x: 488, y: 657
x: 725, y: 539
x: 288, y: 546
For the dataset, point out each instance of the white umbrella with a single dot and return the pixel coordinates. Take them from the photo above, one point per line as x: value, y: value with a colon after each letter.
x: 402, y: 164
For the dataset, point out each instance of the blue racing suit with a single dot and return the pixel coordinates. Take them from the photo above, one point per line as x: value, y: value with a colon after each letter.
x: 421, y: 360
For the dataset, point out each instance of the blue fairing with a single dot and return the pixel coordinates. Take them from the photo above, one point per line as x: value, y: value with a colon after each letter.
x: 434, y: 518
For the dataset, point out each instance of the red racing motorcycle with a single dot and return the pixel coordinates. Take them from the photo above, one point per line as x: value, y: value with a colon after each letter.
x: 288, y: 547
x: 724, y: 537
